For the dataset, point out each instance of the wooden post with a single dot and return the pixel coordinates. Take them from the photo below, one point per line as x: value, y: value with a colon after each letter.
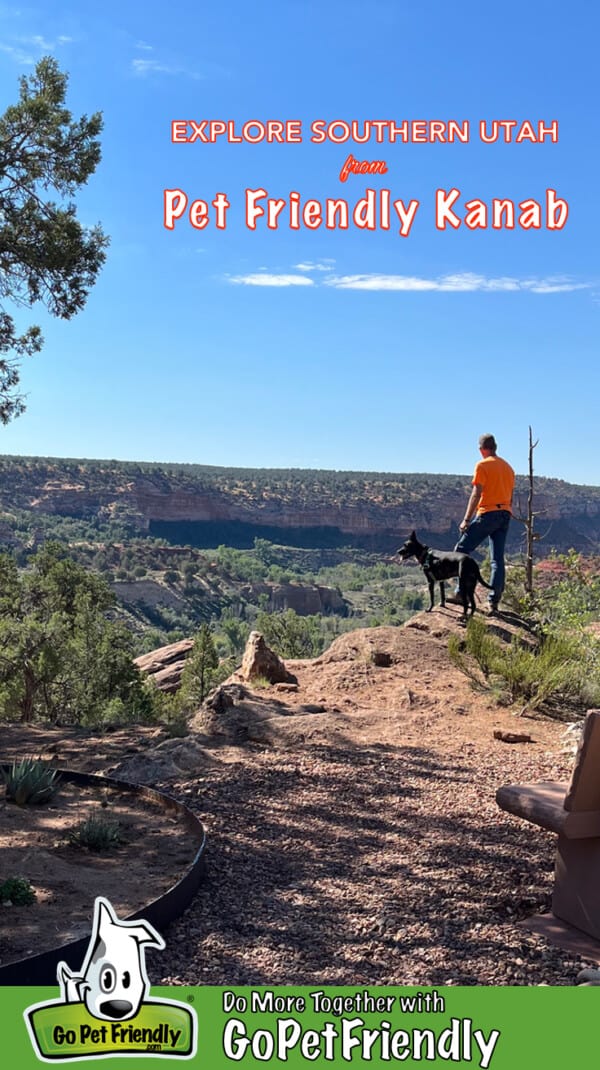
x: 530, y: 521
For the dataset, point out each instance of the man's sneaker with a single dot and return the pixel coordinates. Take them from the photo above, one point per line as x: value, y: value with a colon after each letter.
x: 493, y: 609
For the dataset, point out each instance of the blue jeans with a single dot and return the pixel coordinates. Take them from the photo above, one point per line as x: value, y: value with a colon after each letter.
x: 492, y: 526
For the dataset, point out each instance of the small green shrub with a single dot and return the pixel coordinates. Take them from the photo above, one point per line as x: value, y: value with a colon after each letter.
x: 18, y: 891
x: 260, y: 683
x: 176, y: 727
x: 574, y: 599
x: 562, y: 665
x: 97, y: 833
x: 31, y: 781
x: 482, y: 645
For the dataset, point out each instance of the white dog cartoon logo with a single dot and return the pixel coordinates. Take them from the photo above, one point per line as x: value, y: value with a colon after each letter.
x: 113, y: 980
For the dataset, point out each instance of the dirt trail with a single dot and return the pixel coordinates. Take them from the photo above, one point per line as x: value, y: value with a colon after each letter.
x: 353, y: 832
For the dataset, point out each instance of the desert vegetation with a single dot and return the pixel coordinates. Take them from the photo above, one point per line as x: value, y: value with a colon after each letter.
x: 88, y: 587
x: 61, y: 656
x: 557, y: 660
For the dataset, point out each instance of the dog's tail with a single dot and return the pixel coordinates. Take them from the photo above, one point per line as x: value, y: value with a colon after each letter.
x: 481, y: 580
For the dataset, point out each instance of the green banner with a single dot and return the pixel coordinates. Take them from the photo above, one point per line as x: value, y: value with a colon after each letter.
x: 311, y: 1026
x: 66, y: 1031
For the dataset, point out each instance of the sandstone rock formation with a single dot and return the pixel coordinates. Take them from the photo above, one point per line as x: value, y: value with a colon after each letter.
x: 305, y: 599
x: 362, y: 509
x: 165, y: 665
x: 235, y: 714
x: 259, y: 661
x: 149, y: 592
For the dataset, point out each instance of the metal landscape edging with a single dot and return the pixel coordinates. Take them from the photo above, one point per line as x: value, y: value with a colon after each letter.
x: 160, y: 912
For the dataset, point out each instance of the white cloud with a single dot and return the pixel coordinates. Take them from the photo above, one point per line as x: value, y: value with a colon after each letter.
x: 39, y: 42
x: 264, y: 279
x: 555, y: 286
x: 18, y: 54
x: 463, y: 282
x: 321, y: 265
x: 44, y: 43
x: 460, y: 282
x: 142, y: 67
x: 150, y: 64
x: 379, y: 282
x: 22, y: 53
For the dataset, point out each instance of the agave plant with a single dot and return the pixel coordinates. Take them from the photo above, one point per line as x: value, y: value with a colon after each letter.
x: 97, y: 833
x: 30, y: 781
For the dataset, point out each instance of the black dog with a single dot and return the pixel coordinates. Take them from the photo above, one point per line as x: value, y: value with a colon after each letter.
x: 440, y: 565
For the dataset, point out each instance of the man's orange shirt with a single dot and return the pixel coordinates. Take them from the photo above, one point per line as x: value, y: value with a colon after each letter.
x: 497, y: 481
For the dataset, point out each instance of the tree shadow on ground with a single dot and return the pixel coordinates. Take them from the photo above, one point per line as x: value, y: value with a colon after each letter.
x: 382, y: 865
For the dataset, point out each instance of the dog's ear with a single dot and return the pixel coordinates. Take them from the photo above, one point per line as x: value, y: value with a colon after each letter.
x: 71, y: 984
x: 141, y: 931
x: 105, y: 918
x: 413, y: 534
x: 147, y: 934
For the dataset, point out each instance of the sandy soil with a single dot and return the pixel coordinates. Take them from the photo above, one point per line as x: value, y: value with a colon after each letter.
x: 155, y: 850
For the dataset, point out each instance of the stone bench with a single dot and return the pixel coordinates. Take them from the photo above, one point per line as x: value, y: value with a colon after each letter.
x: 572, y: 810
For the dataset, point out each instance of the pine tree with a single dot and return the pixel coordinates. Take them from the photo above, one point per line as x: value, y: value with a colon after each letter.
x: 199, y: 675
x: 61, y: 658
x: 46, y: 255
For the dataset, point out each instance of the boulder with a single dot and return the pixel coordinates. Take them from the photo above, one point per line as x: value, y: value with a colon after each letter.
x: 259, y: 660
x: 224, y: 713
x: 165, y: 665
x: 235, y: 714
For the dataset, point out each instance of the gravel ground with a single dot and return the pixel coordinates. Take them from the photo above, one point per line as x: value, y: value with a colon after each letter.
x: 379, y: 865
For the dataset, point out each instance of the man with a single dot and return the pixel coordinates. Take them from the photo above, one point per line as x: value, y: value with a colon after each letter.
x: 488, y: 512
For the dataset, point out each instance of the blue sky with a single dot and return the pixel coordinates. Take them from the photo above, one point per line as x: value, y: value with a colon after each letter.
x: 323, y: 348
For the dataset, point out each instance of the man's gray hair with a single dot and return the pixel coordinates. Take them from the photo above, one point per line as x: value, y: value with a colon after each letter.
x: 487, y: 442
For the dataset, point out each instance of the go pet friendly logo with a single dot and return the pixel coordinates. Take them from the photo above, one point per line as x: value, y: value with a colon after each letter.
x: 104, y: 1010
